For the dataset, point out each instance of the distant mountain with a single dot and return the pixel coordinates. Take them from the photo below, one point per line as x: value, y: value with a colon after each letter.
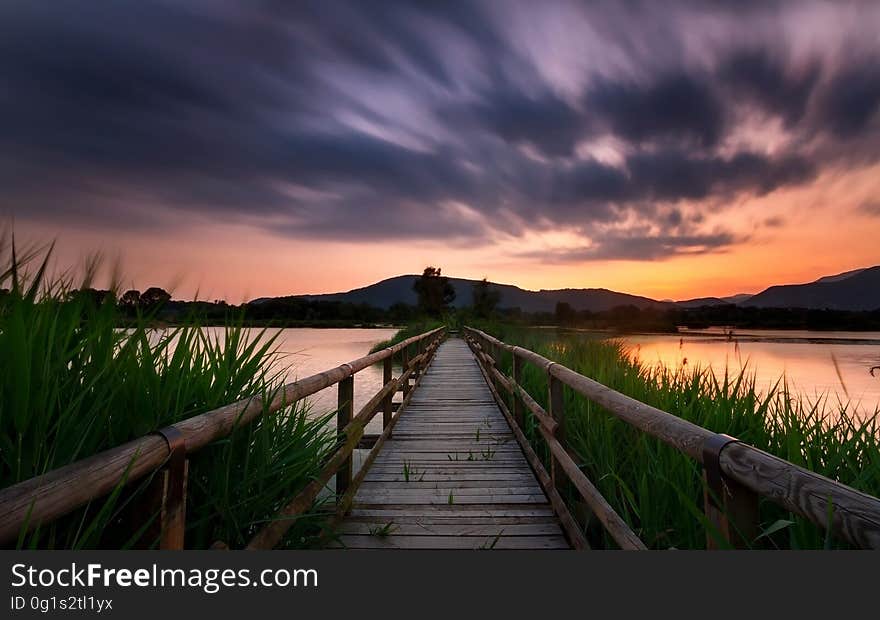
x: 840, y: 276
x: 400, y: 290
x: 853, y: 290
x: 700, y: 302
x: 739, y: 298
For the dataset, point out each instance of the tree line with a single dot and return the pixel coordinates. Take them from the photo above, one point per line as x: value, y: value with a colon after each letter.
x: 435, y: 299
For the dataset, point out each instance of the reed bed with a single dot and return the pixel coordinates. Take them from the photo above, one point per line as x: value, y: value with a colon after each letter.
x: 659, y: 491
x: 73, y: 383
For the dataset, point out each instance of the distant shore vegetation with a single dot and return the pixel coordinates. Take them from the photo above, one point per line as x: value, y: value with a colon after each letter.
x: 436, y: 301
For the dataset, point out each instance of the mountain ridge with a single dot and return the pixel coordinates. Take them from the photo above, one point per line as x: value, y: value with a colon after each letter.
x: 858, y: 289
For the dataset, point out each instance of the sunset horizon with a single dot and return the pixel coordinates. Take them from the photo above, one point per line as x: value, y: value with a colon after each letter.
x: 641, y: 278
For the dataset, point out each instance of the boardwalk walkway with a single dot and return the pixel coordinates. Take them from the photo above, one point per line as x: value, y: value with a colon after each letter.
x: 452, y: 476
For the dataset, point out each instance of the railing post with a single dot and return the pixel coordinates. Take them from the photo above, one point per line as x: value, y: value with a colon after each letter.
x: 345, y: 411
x: 556, y: 400
x: 171, y: 491
x: 387, y: 407
x: 417, y: 370
x: 732, y: 509
x: 494, y: 349
x: 518, y: 410
x: 405, y: 362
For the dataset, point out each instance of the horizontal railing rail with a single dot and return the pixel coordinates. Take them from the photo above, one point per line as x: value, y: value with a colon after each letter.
x: 43, y: 499
x: 350, y: 430
x: 736, y: 473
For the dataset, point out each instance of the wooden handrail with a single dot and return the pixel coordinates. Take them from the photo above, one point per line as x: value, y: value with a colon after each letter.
x: 616, y: 527
x: 47, y: 497
x: 853, y: 515
x: 270, y: 535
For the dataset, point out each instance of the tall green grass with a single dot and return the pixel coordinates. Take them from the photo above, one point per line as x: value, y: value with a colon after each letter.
x: 658, y: 490
x: 72, y: 383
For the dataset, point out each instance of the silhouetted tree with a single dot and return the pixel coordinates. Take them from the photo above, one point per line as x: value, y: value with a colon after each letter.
x: 154, y: 297
x: 401, y: 312
x: 130, y: 299
x: 485, y: 299
x: 565, y: 314
x: 91, y: 296
x: 434, y: 291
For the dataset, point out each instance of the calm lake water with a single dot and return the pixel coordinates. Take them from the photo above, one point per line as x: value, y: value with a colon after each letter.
x: 306, y: 351
x: 805, y: 358
x: 309, y: 351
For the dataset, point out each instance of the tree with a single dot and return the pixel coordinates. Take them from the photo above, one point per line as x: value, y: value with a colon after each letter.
x: 565, y: 314
x: 154, y: 297
x: 91, y: 296
x: 130, y: 300
x: 400, y: 312
x: 434, y: 291
x: 485, y: 299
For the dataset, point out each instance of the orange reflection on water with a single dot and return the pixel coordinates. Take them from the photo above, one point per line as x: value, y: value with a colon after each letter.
x: 805, y: 359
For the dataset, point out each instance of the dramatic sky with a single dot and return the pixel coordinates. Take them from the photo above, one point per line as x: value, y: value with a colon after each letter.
x: 671, y: 149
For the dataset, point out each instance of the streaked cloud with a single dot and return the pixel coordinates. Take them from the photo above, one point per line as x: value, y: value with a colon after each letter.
x: 352, y: 121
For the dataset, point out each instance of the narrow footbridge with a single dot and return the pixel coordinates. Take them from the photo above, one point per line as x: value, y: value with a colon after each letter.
x: 467, y: 459
x: 452, y: 475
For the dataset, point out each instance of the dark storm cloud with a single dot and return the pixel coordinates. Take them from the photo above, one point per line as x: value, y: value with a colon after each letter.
x: 763, y: 77
x: 852, y: 98
x: 674, y: 106
x: 673, y: 174
x: 546, y: 122
x: 638, y: 247
x: 353, y: 120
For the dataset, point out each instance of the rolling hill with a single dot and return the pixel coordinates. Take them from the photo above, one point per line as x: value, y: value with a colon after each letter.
x: 853, y: 290
x: 399, y: 289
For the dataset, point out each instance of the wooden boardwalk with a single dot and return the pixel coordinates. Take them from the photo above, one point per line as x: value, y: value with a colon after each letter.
x: 452, y: 475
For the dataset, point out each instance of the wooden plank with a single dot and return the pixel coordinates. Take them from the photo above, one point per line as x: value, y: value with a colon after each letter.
x: 397, y: 528
x: 459, y: 518
x: 456, y: 500
x: 467, y: 475
x: 458, y: 512
x: 454, y: 483
x: 498, y: 541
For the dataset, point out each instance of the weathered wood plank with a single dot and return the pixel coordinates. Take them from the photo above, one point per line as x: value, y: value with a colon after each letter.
x: 459, y: 518
x: 396, y: 528
x: 456, y: 500
x: 457, y: 511
x: 497, y: 541
x: 453, y: 475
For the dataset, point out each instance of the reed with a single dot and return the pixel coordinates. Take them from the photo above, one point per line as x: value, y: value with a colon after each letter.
x: 73, y: 383
x: 655, y: 488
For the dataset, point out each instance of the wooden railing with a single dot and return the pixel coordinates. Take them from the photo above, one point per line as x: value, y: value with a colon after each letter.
x: 43, y: 499
x: 735, y: 473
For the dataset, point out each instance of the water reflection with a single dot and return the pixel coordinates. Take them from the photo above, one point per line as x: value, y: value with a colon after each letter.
x: 815, y: 364
x: 309, y: 351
